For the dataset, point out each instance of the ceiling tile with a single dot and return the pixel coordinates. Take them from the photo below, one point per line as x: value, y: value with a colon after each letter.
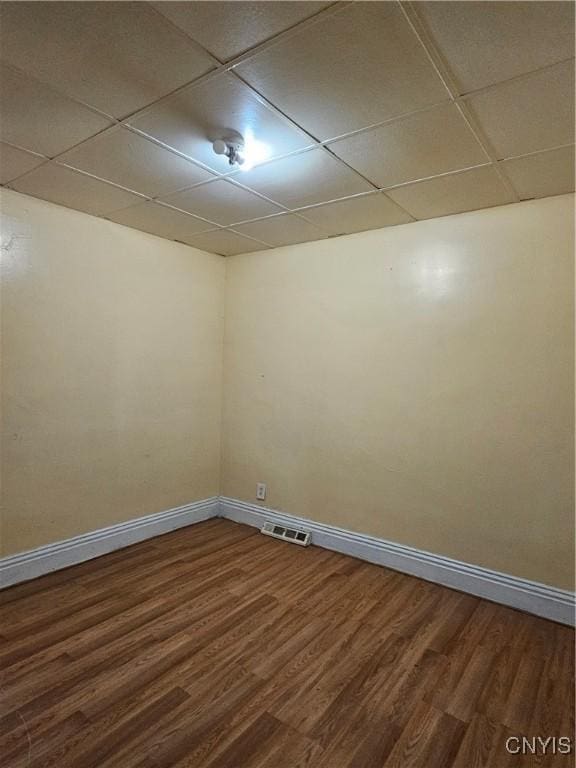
x: 40, y: 119
x: 227, y: 29
x: 194, y: 118
x: 103, y: 54
x: 425, y: 144
x: 222, y: 202
x: 358, y: 67
x: 357, y: 214
x: 74, y: 190
x: 14, y: 162
x: 487, y: 42
x: 286, y: 229
x: 478, y: 188
x: 160, y: 220
x: 548, y: 173
x: 305, y: 179
x: 226, y: 243
x: 133, y: 161
x: 529, y: 114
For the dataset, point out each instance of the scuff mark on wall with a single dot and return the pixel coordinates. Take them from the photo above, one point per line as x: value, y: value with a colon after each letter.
x: 8, y: 245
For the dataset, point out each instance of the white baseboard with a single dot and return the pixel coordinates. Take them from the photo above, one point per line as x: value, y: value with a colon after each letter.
x: 52, y: 557
x: 540, y: 599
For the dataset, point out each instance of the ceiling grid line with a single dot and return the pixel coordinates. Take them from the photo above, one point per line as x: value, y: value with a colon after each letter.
x: 517, y: 78
x: 358, y: 185
x: 440, y: 64
x: 223, y: 67
x: 118, y: 123
x: 295, y: 29
x: 218, y: 69
x: 314, y: 143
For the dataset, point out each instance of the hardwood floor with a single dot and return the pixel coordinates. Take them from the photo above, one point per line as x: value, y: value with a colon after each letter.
x: 216, y: 647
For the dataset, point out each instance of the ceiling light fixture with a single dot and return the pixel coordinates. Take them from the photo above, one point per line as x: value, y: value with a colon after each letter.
x: 245, y: 153
x: 233, y: 149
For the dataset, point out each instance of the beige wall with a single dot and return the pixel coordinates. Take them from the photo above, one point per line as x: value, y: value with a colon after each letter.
x: 112, y: 350
x: 415, y: 383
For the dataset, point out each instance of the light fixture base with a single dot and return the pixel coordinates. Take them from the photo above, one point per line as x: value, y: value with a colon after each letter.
x: 232, y: 148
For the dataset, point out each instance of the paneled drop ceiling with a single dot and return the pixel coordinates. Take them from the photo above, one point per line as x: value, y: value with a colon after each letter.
x: 374, y: 113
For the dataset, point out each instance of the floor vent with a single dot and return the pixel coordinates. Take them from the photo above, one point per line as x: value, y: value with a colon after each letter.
x: 286, y: 534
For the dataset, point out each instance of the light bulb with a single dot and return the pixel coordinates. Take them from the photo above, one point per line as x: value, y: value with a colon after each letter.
x: 254, y: 152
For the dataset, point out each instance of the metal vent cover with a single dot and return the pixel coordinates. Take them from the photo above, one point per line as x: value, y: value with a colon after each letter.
x: 293, y: 535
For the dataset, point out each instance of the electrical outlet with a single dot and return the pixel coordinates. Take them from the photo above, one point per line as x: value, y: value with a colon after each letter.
x: 260, y: 491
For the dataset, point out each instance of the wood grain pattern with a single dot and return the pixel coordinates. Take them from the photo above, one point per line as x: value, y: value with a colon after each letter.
x: 215, y: 647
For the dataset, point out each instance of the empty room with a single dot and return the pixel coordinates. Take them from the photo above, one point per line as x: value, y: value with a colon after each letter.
x: 287, y: 367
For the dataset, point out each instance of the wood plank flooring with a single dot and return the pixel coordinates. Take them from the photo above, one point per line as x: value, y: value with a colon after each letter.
x: 216, y: 647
